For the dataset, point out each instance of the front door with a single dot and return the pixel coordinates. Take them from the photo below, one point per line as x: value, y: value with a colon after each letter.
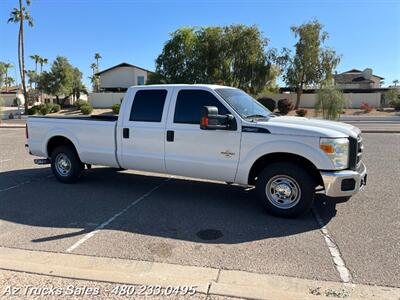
x: 190, y: 151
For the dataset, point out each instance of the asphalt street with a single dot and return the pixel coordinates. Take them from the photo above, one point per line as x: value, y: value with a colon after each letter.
x: 154, y: 217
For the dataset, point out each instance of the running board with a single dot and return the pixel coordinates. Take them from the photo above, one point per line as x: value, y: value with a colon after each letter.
x: 42, y: 161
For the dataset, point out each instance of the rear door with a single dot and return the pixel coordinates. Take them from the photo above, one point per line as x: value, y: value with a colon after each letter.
x: 143, y: 136
x: 190, y: 151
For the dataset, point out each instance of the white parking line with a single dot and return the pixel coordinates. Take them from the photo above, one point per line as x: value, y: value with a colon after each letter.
x: 340, y: 266
x: 101, y: 226
x: 22, y: 183
x: 4, y: 160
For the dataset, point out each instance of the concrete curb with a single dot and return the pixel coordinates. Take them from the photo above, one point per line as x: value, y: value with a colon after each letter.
x: 209, y: 281
x: 12, y: 126
x: 380, y: 131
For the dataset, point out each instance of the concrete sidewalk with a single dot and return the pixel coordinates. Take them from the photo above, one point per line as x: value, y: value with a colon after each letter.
x: 208, y: 281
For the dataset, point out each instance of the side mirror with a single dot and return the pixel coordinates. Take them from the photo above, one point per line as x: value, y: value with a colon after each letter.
x: 211, y: 120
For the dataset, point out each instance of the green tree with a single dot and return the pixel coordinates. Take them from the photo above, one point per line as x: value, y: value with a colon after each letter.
x: 2, y: 74
x: 32, y: 78
x: 6, y: 67
x: 36, y: 58
x: 155, y: 78
x: 77, y: 86
x: 42, y: 61
x: 59, y: 80
x: 392, y: 97
x: 331, y: 102
x: 9, y: 81
x: 97, y: 57
x: 95, y: 79
x: 395, y: 82
x: 311, y: 64
x: 21, y: 15
x: 231, y: 55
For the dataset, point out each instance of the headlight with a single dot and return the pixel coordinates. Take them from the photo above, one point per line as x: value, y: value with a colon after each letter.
x: 337, y: 150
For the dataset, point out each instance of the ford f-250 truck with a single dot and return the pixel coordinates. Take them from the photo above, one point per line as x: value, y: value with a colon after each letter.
x: 211, y: 132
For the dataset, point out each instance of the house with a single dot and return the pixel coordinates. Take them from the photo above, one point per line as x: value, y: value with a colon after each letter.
x: 120, y: 77
x: 357, y: 80
x: 9, y: 94
x: 357, y: 86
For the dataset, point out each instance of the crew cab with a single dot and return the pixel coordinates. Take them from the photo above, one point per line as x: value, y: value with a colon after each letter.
x: 211, y: 132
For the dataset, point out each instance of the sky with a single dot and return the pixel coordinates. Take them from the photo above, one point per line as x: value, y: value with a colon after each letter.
x: 366, y: 33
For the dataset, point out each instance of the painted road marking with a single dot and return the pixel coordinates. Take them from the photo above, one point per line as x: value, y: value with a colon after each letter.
x: 101, y: 226
x: 4, y: 160
x: 22, y: 183
x: 340, y: 266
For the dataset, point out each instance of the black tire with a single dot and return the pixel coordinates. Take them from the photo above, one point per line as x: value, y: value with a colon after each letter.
x: 73, y: 166
x: 292, y: 179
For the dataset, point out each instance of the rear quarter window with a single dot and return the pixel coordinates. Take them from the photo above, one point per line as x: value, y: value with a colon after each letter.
x: 148, y: 106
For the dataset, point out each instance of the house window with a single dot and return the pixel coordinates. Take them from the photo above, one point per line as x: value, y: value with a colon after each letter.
x: 140, y: 80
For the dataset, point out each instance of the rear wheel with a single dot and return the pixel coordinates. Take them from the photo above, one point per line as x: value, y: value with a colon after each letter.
x: 285, y: 189
x: 65, y: 164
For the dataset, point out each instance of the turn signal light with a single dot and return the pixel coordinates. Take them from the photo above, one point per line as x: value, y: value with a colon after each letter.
x: 327, y: 148
x: 204, y: 121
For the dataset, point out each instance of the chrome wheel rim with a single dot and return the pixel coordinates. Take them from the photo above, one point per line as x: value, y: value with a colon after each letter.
x: 63, y: 164
x: 283, y: 191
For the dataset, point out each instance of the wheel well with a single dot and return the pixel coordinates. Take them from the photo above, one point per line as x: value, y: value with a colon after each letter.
x: 56, y: 141
x: 267, y: 159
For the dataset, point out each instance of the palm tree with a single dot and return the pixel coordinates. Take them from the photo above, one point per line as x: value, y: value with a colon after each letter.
x: 395, y: 82
x: 19, y: 15
x: 32, y: 78
x: 97, y: 56
x: 9, y: 81
x: 36, y: 58
x: 42, y: 61
x: 6, y: 67
x: 94, y: 68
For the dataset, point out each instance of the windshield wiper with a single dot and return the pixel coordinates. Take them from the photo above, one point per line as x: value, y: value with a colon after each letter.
x: 256, y: 116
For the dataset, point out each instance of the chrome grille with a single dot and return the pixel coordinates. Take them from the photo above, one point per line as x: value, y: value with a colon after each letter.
x: 360, y: 149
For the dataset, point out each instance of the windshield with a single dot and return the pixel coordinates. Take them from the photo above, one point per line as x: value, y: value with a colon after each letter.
x: 245, y: 105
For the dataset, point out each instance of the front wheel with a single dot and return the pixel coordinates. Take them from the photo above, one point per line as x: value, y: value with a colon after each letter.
x: 286, y: 189
x: 66, y: 164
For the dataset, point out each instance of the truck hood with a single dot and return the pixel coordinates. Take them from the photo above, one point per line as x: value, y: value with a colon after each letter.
x: 308, y: 127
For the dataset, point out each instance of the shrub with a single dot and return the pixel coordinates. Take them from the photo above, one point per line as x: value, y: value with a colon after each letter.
x: 331, y: 102
x: 396, y: 105
x: 86, y: 109
x: 366, y: 107
x: 115, y: 108
x: 33, y: 110
x: 268, y: 103
x: 16, y: 101
x: 56, y: 108
x: 44, y: 109
x: 301, y: 112
x: 50, y: 106
x: 80, y: 103
x: 392, y: 98
x: 285, y: 106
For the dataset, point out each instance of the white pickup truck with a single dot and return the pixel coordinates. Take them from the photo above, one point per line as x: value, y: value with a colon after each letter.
x: 211, y: 132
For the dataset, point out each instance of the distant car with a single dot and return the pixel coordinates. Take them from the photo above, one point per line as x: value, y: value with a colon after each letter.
x: 212, y: 132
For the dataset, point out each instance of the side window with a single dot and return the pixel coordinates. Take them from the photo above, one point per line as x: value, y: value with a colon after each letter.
x: 148, y: 106
x: 190, y: 102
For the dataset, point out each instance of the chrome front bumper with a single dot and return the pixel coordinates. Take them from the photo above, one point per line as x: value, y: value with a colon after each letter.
x: 336, y: 187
